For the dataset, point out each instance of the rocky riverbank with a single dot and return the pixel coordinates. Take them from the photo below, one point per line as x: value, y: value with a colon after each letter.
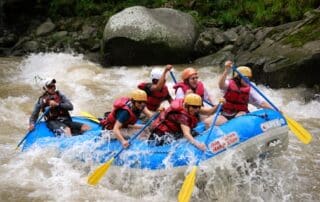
x: 283, y: 56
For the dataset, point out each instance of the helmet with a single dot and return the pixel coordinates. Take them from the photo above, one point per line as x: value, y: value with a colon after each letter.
x: 193, y: 99
x: 156, y: 73
x: 48, y: 82
x: 245, y: 71
x: 188, y: 72
x: 139, y: 95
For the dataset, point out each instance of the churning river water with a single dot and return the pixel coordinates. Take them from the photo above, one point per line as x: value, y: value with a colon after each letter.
x: 47, y: 175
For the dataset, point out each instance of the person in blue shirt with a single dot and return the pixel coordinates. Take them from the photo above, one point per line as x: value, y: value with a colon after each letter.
x: 125, y: 113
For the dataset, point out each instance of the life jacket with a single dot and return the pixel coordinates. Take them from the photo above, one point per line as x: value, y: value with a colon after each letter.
x: 199, y: 89
x: 167, y: 120
x: 54, y: 112
x: 156, y: 97
x: 237, y: 98
x: 121, y: 103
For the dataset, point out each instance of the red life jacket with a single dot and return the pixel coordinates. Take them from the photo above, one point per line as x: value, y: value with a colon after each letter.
x: 156, y: 97
x: 237, y: 98
x: 167, y: 120
x: 121, y: 103
x: 54, y: 112
x: 199, y: 89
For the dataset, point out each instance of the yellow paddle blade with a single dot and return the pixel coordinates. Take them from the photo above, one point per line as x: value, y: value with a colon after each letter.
x: 302, y: 134
x: 96, y: 176
x: 187, y: 186
x: 89, y: 116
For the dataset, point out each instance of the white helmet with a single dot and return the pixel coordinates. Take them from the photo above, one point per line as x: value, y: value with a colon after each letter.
x: 156, y: 73
x: 48, y: 82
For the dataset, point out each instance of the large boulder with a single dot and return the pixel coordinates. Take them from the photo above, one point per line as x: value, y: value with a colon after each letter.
x: 290, y: 57
x: 138, y: 35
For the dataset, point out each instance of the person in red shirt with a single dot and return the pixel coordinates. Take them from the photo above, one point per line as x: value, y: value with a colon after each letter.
x: 190, y: 84
x: 157, y: 90
x: 125, y: 114
x: 179, y: 119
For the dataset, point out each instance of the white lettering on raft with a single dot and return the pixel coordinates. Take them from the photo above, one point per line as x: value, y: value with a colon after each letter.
x: 223, y: 142
x: 272, y: 124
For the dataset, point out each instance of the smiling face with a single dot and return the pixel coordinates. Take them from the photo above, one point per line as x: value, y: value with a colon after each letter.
x: 193, y: 80
x: 192, y: 103
x: 193, y: 109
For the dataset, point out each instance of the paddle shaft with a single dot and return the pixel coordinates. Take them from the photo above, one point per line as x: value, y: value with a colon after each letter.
x: 138, y: 133
x: 189, y: 182
x: 39, y: 119
x: 175, y: 81
x: 211, y: 129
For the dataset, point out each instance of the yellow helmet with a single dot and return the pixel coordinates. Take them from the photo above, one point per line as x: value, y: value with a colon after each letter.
x: 186, y: 73
x: 139, y: 95
x: 193, y: 99
x: 245, y: 71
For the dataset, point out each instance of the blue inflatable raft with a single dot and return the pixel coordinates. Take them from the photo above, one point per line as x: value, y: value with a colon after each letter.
x: 257, y: 133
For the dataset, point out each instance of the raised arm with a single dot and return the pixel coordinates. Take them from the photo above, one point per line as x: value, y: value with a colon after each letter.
x: 162, y: 79
x: 222, y: 79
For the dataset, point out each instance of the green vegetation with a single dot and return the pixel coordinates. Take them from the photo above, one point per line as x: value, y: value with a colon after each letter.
x: 307, y: 33
x: 223, y: 13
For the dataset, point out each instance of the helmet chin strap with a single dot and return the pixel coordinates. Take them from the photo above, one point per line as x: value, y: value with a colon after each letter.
x: 188, y: 108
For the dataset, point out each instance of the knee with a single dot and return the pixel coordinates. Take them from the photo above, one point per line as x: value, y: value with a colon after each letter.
x: 67, y: 131
x: 207, y: 122
x: 85, y: 127
x: 221, y: 120
x: 240, y: 113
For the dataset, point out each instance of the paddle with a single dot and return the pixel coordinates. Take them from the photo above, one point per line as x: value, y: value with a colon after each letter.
x: 301, y: 133
x: 90, y: 116
x: 175, y: 81
x: 97, y: 175
x: 38, y: 121
x: 188, y: 184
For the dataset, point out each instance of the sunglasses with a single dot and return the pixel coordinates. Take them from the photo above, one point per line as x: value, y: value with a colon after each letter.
x: 141, y: 102
x: 51, y: 86
x: 195, y: 106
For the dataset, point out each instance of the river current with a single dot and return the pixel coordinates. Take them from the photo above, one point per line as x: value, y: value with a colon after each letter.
x: 47, y: 175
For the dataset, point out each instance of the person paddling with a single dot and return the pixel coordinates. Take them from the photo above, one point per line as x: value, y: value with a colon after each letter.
x: 58, y: 119
x: 125, y: 114
x: 179, y: 119
x: 238, y: 95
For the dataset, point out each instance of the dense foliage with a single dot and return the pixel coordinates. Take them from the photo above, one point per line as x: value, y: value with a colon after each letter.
x: 223, y: 13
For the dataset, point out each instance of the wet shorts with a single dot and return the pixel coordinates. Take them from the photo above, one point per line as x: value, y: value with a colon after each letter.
x: 228, y: 116
x: 57, y: 126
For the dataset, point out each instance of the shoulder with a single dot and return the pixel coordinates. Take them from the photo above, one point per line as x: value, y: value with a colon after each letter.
x: 179, y: 93
x: 122, y: 115
x: 142, y: 85
x: 59, y: 93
